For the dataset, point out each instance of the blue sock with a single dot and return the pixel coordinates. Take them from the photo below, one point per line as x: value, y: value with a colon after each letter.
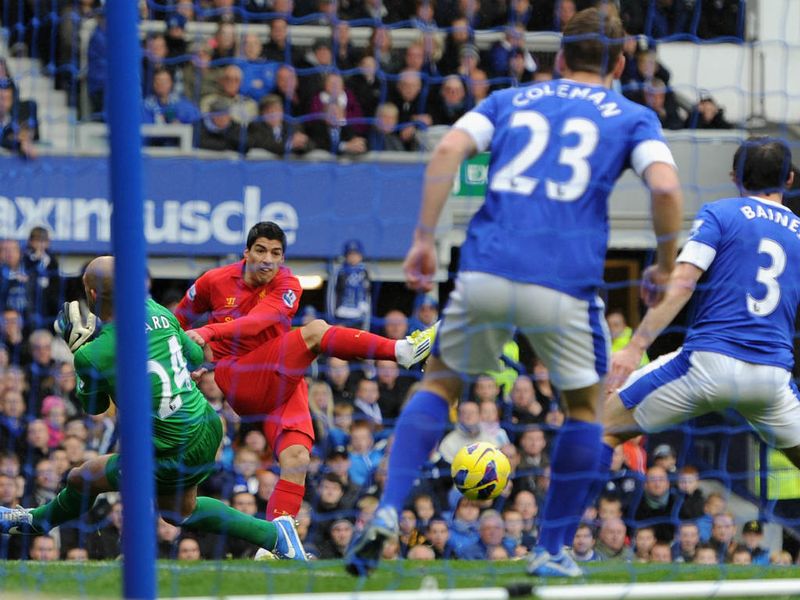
x: 595, y: 487
x: 419, y: 428
x: 573, y: 465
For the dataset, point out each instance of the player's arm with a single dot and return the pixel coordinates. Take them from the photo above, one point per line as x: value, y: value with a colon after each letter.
x: 420, y: 264
x: 195, y: 303
x: 279, y: 307
x: 679, y: 290
x: 92, y: 388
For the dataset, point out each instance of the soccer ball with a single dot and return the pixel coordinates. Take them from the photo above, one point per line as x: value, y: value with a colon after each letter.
x: 480, y: 471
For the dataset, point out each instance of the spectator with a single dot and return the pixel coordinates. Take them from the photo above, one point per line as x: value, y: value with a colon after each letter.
x: 662, y: 101
x: 242, y: 109
x: 334, y: 134
x: 286, y: 88
x: 13, y: 423
x: 175, y: 36
x: 611, y: 543
x: 329, y: 505
x: 258, y: 75
x: 467, y: 431
x: 780, y: 558
x: 267, y: 480
x: 345, y: 55
x: 54, y: 414
x: 641, y: 68
x: 44, y: 288
x: 279, y: 48
x: 660, y: 553
x: 527, y: 506
x: 657, y: 503
x: 218, y: 130
x: 410, y: 535
x: 154, y: 57
x: 44, y: 548
x: 338, y: 540
x: 383, y: 136
x: 224, y: 42
x: 707, y: 115
x: 343, y: 421
x: 40, y: 372
x: 752, y: 537
x: 477, y: 87
x: 685, y: 547
x: 452, y: 103
x: 500, y: 52
x: 464, y: 526
x: 715, y: 504
x: 609, y: 507
x: 705, y: 555
x: 320, y: 402
x: 410, y: 101
x: 438, y: 536
x: 664, y: 456
x: 525, y: 410
x: 366, y: 403
x: 395, y: 324
x: 393, y: 389
x: 364, y: 455
x: 491, y: 533
x: 273, y: 133
x: 741, y: 556
x: 350, y: 291
x: 690, y: 493
x: 623, y: 483
x: 644, y: 540
x: 36, y: 451
x: 11, y: 336
x: 317, y: 65
x: 97, y: 68
x: 722, y: 540
x: 583, y: 545
x: 245, y: 464
x: 457, y: 37
x: 366, y: 86
x: 380, y: 47
x: 188, y: 548
x: 490, y: 424
x: 166, y: 539
x: 14, y: 279
x: 515, y: 530
x: 518, y: 71
x: 421, y: 552
x: 164, y: 105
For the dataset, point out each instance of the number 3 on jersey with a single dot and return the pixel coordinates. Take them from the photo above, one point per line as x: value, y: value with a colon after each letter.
x: 768, y: 276
x: 511, y: 178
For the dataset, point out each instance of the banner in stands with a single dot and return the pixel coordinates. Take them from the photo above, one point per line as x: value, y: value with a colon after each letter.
x: 205, y: 207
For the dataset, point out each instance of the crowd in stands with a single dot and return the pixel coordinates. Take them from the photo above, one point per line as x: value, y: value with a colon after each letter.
x: 249, y: 87
x: 650, y: 510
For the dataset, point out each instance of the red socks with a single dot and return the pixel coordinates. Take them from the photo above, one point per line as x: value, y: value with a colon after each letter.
x: 286, y: 499
x: 353, y: 344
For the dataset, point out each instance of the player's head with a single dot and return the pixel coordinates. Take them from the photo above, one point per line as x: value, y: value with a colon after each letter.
x: 266, y: 244
x: 98, y: 282
x: 763, y: 165
x: 592, y: 43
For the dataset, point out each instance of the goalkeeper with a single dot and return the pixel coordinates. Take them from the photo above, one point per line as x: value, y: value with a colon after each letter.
x: 186, y: 430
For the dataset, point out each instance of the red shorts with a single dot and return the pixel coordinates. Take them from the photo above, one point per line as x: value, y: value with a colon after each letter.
x: 270, y: 381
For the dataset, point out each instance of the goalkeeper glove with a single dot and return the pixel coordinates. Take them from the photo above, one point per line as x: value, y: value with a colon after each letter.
x: 75, y: 324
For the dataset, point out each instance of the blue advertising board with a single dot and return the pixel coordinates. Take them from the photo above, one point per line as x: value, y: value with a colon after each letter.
x: 205, y: 207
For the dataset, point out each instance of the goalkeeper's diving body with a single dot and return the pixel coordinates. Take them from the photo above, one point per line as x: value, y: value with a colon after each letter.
x: 186, y: 430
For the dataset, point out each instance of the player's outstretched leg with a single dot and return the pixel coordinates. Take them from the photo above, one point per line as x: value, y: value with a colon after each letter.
x: 418, y: 430
x: 353, y: 344
x: 278, y: 536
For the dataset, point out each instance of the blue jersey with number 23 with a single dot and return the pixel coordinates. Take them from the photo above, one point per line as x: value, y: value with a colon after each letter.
x: 557, y: 148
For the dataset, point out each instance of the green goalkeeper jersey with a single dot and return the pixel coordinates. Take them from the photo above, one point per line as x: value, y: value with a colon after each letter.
x: 178, y: 407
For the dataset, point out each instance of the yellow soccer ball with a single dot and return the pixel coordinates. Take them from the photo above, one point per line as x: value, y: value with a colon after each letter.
x: 480, y: 471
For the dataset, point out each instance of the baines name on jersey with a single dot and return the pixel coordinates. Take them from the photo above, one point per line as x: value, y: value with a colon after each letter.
x: 570, y: 92
x: 156, y: 322
x: 781, y: 217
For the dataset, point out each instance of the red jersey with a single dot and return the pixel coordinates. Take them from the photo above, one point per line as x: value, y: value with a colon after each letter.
x: 241, y: 317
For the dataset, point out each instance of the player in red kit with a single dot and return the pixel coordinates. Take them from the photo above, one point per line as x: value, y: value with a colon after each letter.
x: 261, y: 361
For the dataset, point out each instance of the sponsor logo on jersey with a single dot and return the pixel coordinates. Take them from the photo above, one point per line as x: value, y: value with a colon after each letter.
x: 230, y: 301
x: 696, y: 225
x: 262, y: 294
x: 192, y: 293
x: 289, y: 298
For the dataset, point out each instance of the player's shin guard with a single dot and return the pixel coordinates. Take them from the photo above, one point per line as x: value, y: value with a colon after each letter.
x: 286, y: 499
x: 352, y: 344
x: 418, y: 430
x: 574, y: 463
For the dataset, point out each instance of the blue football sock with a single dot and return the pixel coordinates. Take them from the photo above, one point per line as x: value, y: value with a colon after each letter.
x: 573, y: 465
x: 419, y: 428
x: 596, y: 486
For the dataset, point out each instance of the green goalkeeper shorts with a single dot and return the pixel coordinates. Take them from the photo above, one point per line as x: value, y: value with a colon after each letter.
x: 185, y: 469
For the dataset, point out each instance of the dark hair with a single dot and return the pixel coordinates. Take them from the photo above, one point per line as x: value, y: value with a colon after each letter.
x: 592, y: 41
x: 762, y: 164
x: 266, y: 229
x: 269, y: 101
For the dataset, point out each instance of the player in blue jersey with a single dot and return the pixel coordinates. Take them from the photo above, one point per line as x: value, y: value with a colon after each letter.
x: 742, y: 267
x: 532, y: 262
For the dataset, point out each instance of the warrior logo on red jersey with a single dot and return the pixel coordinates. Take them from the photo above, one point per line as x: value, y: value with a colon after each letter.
x: 289, y: 298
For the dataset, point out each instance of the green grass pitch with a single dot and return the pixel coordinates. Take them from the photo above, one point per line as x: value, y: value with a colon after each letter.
x: 209, y: 578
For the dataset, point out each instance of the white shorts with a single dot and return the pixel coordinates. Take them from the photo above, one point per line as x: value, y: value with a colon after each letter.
x: 484, y: 311
x: 682, y: 385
